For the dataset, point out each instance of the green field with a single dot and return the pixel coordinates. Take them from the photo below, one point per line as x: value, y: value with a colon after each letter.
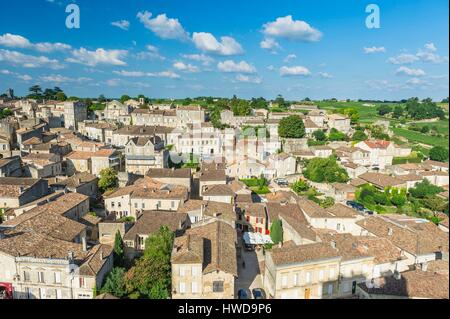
x: 417, y: 137
x: 368, y: 114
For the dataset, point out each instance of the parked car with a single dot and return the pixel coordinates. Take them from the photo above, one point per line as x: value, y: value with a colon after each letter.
x: 281, y: 182
x: 259, y: 293
x: 249, y: 247
x: 242, y: 294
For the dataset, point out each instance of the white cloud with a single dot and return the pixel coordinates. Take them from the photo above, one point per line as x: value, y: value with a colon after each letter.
x: 415, y: 81
x: 290, y: 58
x: 230, y: 66
x: 28, y: 61
x: 271, y: 68
x: 324, y: 75
x: 186, y: 67
x: 207, y: 42
x: 50, y: 47
x: 204, y: 59
x: 369, y: 50
x: 151, y: 54
x: 113, y: 82
x: 431, y: 57
x: 294, y: 71
x: 164, y: 74
x: 24, y: 77
x: 270, y: 44
x: 57, y: 78
x: 130, y: 73
x: 163, y: 27
x: 248, y: 79
x: 403, y: 70
x: 403, y: 58
x: 18, y: 41
x: 5, y: 72
x: 14, y: 41
x: 286, y: 27
x: 122, y: 24
x: 430, y: 47
x: 99, y: 56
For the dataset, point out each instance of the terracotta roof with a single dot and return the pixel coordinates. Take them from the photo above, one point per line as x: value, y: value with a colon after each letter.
x: 151, y: 221
x: 409, y: 177
x: 148, y: 188
x: 412, y: 284
x: 213, y: 175
x: 219, y: 247
x: 77, y: 180
x: 354, y: 247
x: 253, y: 209
x: 436, y: 163
x: 381, y: 180
x: 218, y: 190
x: 378, y: 144
x: 11, y: 186
x: 414, y: 236
x: 169, y: 173
x: 221, y: 211
x: 95, y: 260
x: 303, y: 253
x: 188, y: 249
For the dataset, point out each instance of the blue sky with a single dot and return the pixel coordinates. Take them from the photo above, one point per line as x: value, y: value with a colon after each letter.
x: 178, y: 48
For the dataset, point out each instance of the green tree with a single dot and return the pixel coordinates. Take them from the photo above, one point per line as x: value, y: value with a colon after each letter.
x: 291, y: 127
x: 359, y: 136
x: 115, y: 283
x: 108, y: 179
x: 384, y: 109
x: 276, y: 232
x: 424, y: 189
x: 398, y: 112
x: 327, y: 202
x: 60, y: 96
x: 320, y: 135
x: 118, y: 250
x: 35, y: 90
x: 325, y: 170
x: 281, y: 102
x: 124, y: 98
x: 300, y: 186
x: 335, y: 135
x: 439, y: 153
x: 151, y: 277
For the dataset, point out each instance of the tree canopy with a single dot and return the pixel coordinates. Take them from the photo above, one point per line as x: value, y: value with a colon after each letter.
x: 276, y: 232
x: 108, y: 179
x: 439, y: 153
x: 150, y: 277
x: 325, y: 170
x: 291, y: 127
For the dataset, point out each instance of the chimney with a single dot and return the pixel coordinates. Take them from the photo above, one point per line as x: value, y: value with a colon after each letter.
x: 202, y: 208
x: 83, y: 243
x: 333, y: 244
x: 101, y: 254
x: 397, y: 275
x: 70, y: 255
x: 424, y: 266
x: 390, y: 231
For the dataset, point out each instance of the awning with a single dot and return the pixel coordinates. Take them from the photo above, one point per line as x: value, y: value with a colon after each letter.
x: 257, y: 239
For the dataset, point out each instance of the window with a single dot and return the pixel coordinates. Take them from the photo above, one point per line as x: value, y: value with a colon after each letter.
x: 330, y: 289
x: 59, y: 294
x: 194, y: 271
x: 321, y: 275
x: 338, y: 227
x: 82, y: 283
x: 308, y: 277
x: 112, y: 204
x: 284, y: 281
x: 41, y: 277
x: 296, y: 279
x: 194, y: 288
x: 143, y: 205
x: 182, y: 272
x: 57, y: 277
x: 136, y: 205
x: 182, y: 288
x: 218, y: 286
x: 26, y: 276
x: 172, y: 204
